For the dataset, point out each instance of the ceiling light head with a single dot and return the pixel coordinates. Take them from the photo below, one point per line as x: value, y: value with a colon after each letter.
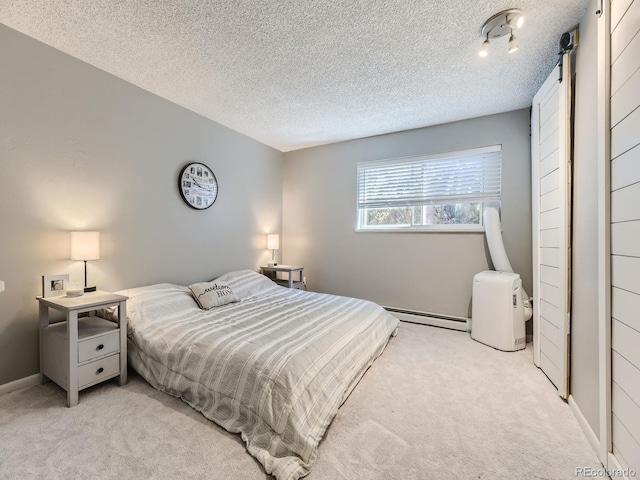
x: 513, y: 43
x: 484, y: 49
x: 515, y: 19
x: 520, y: 21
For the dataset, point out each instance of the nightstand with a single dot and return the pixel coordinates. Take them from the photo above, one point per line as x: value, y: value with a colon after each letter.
x: 82, y: 352
x: 289, y: 282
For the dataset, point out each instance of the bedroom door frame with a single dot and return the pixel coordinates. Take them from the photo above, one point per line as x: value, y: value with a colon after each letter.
x: 604, y: 234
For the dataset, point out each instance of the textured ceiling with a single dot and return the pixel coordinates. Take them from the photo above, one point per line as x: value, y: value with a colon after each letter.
x: 298, y: 73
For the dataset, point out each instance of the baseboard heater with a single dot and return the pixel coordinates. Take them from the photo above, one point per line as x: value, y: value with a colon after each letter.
x: 433, y: 319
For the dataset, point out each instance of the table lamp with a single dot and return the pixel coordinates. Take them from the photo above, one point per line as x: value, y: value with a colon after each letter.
x: 85, y: 246
x: 273, y: 244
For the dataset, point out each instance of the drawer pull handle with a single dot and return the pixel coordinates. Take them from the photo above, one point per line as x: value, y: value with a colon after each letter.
x: 100, y: 347
x: 100, y: 370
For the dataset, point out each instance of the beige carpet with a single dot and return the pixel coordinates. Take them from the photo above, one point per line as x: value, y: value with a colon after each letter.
x: 436, y: 405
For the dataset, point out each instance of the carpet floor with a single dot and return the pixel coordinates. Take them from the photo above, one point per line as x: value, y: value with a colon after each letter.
x: 435, y: 405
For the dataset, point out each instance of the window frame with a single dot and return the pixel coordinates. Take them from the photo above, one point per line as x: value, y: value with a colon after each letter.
x: 360, y: 227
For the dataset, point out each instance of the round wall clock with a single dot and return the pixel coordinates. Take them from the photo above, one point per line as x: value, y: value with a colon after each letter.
x: 198, y: 186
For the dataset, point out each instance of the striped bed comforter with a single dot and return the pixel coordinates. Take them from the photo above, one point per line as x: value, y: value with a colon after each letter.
x: 274, y: 367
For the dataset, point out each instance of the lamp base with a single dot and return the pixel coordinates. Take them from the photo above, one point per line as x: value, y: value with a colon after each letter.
x: 90, y: 289
x: 272, y: 264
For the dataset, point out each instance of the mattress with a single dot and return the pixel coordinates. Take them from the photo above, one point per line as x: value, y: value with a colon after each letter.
x: 274, y: 367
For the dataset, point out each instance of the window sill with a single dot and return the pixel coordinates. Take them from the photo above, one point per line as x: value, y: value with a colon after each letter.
x: 421, y: 230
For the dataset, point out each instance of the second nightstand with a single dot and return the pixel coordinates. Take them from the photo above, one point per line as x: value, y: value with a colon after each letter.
x: 290, y: 282
x: 81, y: 352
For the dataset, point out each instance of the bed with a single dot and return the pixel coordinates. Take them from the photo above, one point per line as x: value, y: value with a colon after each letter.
x: 274, y: 366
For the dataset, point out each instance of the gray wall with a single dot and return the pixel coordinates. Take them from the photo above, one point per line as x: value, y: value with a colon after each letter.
x: 81, y: 149
x: 584, y: 315
x: 423, y: 271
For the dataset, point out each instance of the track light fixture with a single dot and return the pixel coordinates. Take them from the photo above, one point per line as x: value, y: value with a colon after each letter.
x: 499, y: 25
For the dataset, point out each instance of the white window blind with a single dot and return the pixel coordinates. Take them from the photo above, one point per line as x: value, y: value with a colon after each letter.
x: 468, y: 176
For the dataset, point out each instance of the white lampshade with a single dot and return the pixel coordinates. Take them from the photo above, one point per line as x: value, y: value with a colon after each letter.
x: 85, y: 245
x: 273, y: 241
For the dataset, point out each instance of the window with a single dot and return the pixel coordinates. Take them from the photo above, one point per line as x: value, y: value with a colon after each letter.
x: 435, y: 192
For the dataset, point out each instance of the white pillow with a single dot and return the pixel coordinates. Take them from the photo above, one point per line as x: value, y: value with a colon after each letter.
x: 212, y: 294
x: 247, y: 283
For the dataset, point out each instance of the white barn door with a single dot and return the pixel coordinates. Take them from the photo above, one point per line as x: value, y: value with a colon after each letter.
x: 551, y: 205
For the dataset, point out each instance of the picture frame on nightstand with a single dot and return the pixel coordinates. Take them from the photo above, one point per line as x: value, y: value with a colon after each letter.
x: 54, y: 285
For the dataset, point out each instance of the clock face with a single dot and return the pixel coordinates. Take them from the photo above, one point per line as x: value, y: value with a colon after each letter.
x: 198, y: 186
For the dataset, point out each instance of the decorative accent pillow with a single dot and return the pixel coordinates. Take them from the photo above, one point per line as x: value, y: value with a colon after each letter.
x: 212, y: 294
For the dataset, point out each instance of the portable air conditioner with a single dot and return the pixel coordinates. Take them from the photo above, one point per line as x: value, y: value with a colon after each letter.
x: 497, y: 312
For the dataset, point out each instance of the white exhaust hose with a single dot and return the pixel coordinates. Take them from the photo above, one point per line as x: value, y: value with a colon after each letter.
x: 499, y: 255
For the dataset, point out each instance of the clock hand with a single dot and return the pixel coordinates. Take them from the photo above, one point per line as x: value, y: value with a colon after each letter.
x: 196, y: 182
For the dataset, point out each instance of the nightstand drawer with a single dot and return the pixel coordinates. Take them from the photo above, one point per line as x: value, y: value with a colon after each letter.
x: 97, y: 371
x: 98, y: 346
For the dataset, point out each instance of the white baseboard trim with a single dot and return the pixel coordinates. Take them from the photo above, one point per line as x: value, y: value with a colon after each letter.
x: 20, y: 383
x: 586, y: 428
x: 613, y: 464
x: 425, y: 319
